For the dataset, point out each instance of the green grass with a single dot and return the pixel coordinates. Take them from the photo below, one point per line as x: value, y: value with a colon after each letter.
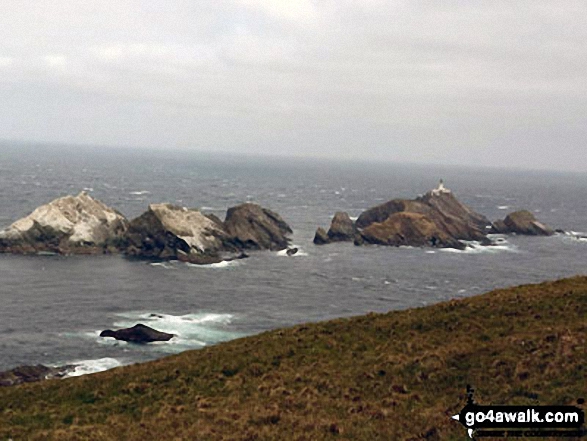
x: 394, y: 376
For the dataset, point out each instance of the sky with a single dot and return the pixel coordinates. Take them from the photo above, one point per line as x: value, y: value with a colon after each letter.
x: 492, y: 83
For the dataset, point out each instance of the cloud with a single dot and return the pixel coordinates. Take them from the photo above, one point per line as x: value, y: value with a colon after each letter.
x: 397, y: 80
x: 298, y: 10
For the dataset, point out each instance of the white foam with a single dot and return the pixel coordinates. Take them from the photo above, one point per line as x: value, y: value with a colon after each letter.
x: 575, y: 236
x: 474, y: 247
x: 190, y: 330
x: 218, y: 265
x: 353, y: 218
x: 503, y: 207
x: 84, y: 367
x: 90, y: 189
x: 139, y: 193
x: 164, y: 265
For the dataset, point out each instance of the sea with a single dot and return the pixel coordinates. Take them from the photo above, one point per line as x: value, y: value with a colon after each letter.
x: 53, y: 308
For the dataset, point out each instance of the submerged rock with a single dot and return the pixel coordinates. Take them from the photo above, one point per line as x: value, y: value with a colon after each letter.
x: 250, y: 226
x: 68, y: 225
x: 29, y: 374
x: 137, y: 334
x: 166, y: 231
x: 521, y: 222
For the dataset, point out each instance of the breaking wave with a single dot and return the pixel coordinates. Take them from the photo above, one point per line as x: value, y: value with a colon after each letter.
x: 84, y: 367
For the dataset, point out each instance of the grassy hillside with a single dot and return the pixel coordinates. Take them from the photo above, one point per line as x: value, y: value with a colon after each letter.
x: 377, y: 377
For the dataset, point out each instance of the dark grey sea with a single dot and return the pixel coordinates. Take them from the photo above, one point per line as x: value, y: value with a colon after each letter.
x: 52, y: 308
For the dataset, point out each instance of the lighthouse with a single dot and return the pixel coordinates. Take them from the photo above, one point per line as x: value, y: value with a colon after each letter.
x: 440, y: 189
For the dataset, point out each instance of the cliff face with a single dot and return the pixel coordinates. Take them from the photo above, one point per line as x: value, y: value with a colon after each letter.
x: 68, y: 225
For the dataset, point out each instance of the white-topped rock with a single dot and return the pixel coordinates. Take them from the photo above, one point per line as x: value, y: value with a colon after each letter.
x: 167, y: 231
x: 68, y: 225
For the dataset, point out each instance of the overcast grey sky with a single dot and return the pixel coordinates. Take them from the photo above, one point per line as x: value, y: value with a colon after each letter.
x: 470, y: 82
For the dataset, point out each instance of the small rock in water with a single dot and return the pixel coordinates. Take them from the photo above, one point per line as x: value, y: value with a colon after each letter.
x: 137, y: 334
x: 291, y: 251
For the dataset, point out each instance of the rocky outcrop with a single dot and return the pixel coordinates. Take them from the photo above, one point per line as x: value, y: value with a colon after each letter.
x: 167, y: 231
x: 29, y: 374
x: 438, y: 206
x: 137, y: 334
x: 408, y: 229
x: 342, y: 229
x: 521, y: 222
x: 321, y: 237
x: 250, y: 226
x: 436, y: 219
x: 68, y: 225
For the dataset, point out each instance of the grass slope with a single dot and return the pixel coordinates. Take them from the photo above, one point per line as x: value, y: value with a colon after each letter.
x: 389, y: 376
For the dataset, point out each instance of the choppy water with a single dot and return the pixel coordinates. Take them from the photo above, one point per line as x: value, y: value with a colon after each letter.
x: 52, y: 308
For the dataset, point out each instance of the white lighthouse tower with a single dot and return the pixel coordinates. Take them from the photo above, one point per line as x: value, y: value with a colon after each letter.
x: 440, y: 189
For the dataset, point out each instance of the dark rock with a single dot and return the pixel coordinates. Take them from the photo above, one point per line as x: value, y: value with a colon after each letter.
x: 68, y: 225
x: 499, y: 227
x: 522, y: 222
x: 342, y: 228
x: 167, y: 231
x: 28, y: 374
x: 291, y: 251
x: 250, y: 226
x: 138, y: 334
x: 215, y: 219
x: 321, y: 237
